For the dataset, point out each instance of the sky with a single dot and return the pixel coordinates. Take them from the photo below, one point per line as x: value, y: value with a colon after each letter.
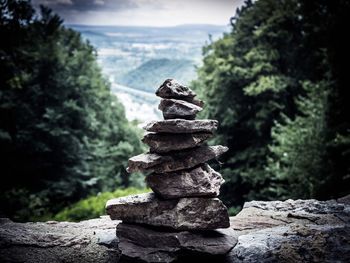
x: 143, y: 12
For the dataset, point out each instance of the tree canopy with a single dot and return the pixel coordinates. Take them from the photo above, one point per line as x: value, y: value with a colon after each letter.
x: 63, y: 135
x: 276, y: 84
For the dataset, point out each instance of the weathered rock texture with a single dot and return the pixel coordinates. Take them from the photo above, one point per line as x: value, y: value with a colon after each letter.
x: 171, y: 89
x: 185, y: 159
x: 166, y: 142
x: 290, y: 231
x: 199, y: 181
x: 173, y: 109
x: 87, y: 241
x: 182, y: 126
x: 179, y: 214
x: 146, y: 244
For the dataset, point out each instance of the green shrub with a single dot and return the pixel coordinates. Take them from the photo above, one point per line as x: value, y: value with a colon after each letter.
x: 234, y: 210
x: 93, y: 206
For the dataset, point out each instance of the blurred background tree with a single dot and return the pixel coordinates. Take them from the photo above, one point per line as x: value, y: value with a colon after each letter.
x: 277, y: 84
x: 63, y: 136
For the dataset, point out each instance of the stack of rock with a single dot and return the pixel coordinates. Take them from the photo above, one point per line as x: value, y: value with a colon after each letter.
x: 182, y: 217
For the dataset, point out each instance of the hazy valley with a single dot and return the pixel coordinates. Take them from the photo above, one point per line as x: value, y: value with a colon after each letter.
x: 137, y: 59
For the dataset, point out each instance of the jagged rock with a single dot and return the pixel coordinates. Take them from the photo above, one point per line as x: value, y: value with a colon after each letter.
x: 294, y: 243
x: 179, y: 214
x: 87, y: 241
x: 182, y: 126
x: 200, y: 181
x: 292, y: 231
x: 174, y: 161
x: 171, y: 89
x: 145, y: 244
x: 166, y: 142
x: 173, y: 109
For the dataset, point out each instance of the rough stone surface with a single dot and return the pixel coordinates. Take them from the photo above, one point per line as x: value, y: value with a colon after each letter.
x: 87, y: 241
x: 200, y: 181
x: 166, y: 142
x: 292, y: 231
x: 179, y: 214
x: 149, y: 245
x: 171, y: 89
x: 182, y: 126
x: 175, y: 161
x: 173, y: 109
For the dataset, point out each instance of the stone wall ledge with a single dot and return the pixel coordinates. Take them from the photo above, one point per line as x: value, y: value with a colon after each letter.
x: 267, y: 231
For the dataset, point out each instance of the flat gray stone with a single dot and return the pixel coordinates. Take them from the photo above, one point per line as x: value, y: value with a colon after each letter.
x: 166, y: 142
x: 293, y: 206
x: 153, y: 245
x: 179, y: 214
x: 174, y: 161
x: 171, y: 89
x: 173, y: 109
x: 200, y: 181
x: 182, y: 126
x: 88, y: 241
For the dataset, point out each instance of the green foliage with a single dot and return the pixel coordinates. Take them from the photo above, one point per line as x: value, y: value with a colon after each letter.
x: 234, y: 210
x: 94, y: 206
x: 63, y: 135
x: 299, y: 148
x: 274, y: 83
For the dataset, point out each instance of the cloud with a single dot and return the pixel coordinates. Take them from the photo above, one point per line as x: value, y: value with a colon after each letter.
x: 87, y: 5
x: 143, y: 12
x: 99, y: 2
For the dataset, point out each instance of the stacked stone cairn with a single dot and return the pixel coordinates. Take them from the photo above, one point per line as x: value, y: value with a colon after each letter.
x: 182, y: 218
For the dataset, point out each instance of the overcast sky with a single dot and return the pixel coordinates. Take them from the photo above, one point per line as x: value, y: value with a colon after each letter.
x: 143, y: 12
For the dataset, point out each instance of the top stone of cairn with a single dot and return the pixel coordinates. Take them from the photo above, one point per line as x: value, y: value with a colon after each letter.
x: 171, y: 89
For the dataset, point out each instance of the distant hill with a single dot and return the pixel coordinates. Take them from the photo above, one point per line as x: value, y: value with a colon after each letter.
x: 137, y: 59
x: 149, y: 75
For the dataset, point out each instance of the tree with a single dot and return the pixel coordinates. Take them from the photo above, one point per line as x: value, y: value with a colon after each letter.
x: 318, y: 139
x: 251, y: 79
x: 299, y: 148
x: 63, y: 135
